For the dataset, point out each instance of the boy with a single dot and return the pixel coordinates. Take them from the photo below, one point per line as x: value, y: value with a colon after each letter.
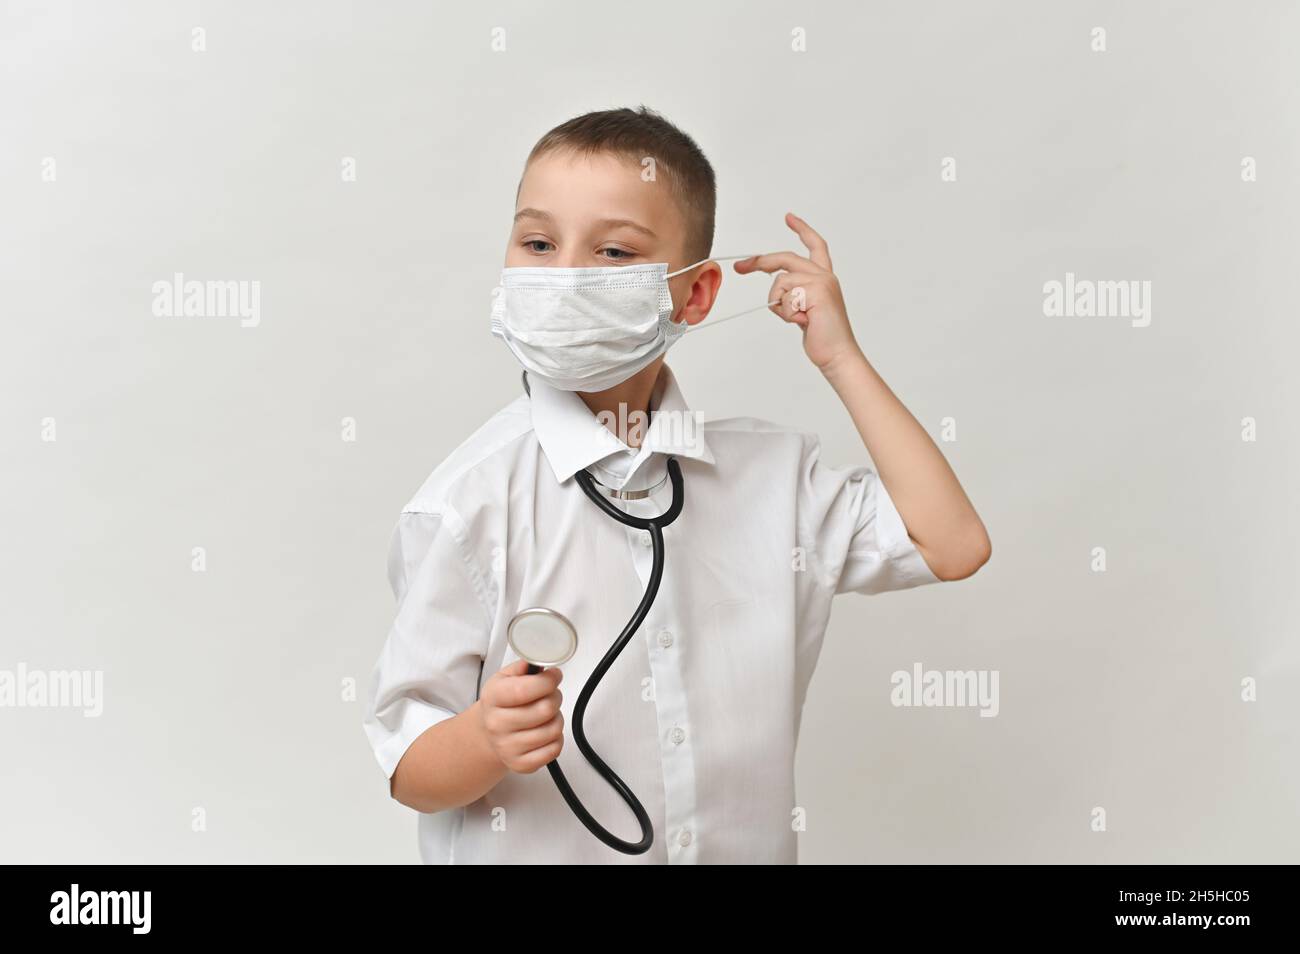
x: 700, y: 714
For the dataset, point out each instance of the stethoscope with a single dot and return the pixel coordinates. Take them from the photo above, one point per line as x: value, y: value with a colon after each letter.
x: 545, y: 637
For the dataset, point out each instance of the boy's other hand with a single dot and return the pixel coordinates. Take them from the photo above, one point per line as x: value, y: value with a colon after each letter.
x: 809, y: 294
x: 521, y: 716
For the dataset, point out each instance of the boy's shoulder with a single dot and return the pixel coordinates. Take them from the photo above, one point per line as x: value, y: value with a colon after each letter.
x: 745, y: 424
x: 761, y: 432
x: 748, y: 442
x: 474, y: 461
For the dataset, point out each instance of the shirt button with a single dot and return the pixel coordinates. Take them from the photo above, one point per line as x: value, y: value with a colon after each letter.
x: 665, y: 639
x: 645, y: 538
x: 678, y: 735
x: 684, y: 838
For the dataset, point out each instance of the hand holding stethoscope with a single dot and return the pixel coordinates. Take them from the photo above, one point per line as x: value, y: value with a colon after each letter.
x: 545, y: 637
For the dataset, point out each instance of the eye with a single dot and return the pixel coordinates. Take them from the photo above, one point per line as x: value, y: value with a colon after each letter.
x: 620, y: 254
x: 532, y: 246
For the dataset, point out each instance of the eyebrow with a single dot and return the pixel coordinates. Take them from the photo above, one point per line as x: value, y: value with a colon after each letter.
x: 627, y: 224
x: 603, y: 223
x: 533, y: 214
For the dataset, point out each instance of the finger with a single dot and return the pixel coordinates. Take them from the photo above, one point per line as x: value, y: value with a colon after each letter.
x: 522, y: 690
x: 537, y: 712
x: 796, y: 292
x: 790, y: 293
x: 819, y: 251
x: 536, y: 759
x: 777, y: 294
x: 526, y: 740
x: 775, y: 261
x: 789, y: 280
x: 794, y: 306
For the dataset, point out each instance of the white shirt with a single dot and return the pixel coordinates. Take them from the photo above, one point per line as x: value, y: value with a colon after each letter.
x: 700, y: 714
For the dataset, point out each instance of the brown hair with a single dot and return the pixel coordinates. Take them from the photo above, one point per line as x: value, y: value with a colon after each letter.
x: 642, y: 133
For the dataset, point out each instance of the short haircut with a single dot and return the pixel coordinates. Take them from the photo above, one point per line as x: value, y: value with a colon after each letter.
x: 638, y: 134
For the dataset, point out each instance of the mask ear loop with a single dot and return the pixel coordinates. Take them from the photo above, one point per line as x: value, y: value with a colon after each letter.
x: 739, y: 314
x: 711, y: 258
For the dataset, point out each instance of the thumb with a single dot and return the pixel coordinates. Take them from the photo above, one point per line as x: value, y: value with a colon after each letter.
x: 517, y: 668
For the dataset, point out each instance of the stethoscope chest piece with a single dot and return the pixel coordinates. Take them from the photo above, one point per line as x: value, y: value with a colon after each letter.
x: 542, y: 636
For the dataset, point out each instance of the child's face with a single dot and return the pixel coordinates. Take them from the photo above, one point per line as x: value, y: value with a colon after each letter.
x: 576, y: 211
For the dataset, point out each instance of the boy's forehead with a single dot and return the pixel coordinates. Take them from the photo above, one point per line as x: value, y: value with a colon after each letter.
x: 574, y: 188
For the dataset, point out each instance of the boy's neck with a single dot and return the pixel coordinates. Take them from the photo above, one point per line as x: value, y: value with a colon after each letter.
x: 617, y: 407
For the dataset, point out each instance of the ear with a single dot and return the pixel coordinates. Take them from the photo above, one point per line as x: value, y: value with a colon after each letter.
x: 698, y: 291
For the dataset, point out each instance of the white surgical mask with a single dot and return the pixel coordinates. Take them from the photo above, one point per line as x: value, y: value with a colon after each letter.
x: 588, y: 329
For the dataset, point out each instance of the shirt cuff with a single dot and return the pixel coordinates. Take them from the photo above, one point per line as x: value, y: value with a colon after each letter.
x: 413, y: 718
x: 896, y: 546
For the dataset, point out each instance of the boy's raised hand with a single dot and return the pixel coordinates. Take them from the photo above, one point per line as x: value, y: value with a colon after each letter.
x: 809, y: 294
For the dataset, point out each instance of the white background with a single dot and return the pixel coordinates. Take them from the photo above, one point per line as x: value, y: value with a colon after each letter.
x: 1119, y: 690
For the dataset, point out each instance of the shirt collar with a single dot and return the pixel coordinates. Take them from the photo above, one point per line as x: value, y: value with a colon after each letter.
x: 572, y: 438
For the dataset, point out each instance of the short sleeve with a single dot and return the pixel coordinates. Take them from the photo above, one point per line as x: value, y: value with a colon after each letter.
x: 432, y: 660
x: 858, y: 537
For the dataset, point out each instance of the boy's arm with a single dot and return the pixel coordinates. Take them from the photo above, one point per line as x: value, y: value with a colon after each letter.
x: 423, y: 712
x: 449, y: 765
x: 514, y: 726
x: 936, y: 511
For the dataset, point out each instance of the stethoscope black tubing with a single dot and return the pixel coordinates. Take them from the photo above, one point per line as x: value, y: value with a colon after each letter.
x: 655, y: 525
